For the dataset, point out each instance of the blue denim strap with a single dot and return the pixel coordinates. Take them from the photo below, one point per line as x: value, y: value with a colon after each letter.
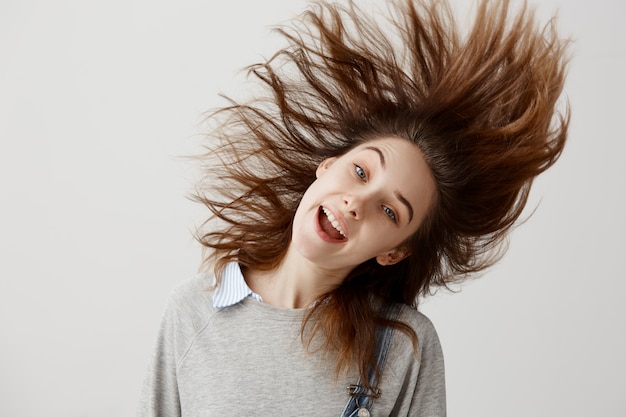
x: 359, y: 396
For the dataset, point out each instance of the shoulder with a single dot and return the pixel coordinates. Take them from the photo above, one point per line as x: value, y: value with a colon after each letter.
x: 190, y: 304
x: 428, y: 344
x: 196, y: 289
x: 423, y: 327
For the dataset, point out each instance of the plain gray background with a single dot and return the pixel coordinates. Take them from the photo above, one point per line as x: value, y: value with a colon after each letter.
x: 98, y: 99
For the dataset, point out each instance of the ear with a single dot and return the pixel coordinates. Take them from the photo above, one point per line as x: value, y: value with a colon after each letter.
x: 324, y: 165
x: 392, y: 257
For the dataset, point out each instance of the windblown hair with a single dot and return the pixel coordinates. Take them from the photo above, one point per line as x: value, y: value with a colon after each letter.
x: 481, y: 105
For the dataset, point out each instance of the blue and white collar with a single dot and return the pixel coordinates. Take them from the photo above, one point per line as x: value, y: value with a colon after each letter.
x: 232, y: 288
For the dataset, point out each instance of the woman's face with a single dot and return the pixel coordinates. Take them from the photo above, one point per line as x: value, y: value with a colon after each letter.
x: 364, y: 205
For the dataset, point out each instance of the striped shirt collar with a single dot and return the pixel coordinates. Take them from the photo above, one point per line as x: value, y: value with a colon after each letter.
x: 232, y: 288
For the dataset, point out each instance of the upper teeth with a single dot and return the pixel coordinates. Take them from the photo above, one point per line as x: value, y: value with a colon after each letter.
x: 333, y: 221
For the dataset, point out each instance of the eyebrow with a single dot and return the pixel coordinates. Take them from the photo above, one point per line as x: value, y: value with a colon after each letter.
x: 397, y: 193
x: 406, y: 203
x: 379, y: 152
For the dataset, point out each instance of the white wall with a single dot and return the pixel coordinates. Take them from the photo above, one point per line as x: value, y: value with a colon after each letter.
x: 97, y: 101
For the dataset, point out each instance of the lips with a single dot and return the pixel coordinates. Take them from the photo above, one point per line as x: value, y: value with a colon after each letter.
x: 330, y: 226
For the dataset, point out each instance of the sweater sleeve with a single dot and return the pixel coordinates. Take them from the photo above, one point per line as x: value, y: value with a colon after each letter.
x: 429, y: 398
x: 416, y: 377
x: 185, y: 315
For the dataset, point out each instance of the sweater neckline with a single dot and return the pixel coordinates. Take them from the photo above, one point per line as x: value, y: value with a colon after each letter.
x: 273, y: 312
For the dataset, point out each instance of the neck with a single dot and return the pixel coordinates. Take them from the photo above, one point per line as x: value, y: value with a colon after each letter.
x: 295, y: 283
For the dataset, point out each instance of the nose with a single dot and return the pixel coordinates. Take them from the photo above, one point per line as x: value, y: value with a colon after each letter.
x: 354, y: 205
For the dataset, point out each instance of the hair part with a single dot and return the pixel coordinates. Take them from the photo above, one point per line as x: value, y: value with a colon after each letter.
x: 481, y: 106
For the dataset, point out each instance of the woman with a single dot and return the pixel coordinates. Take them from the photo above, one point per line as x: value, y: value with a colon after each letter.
x: 378, y: 166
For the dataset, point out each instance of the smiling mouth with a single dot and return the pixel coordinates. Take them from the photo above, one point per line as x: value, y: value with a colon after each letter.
x: 330, y: 225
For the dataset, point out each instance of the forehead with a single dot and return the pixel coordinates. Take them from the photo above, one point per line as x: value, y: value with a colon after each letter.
x: 389, y: 148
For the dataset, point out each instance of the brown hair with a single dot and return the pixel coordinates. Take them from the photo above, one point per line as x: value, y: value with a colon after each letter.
x: 482, y: 108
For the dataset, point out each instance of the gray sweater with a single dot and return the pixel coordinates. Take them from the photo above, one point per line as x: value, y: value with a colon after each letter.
x: 248, y: 359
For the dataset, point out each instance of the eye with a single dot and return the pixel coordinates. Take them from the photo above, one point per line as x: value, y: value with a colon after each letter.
x: 389, y: 212
x: 360, y: 172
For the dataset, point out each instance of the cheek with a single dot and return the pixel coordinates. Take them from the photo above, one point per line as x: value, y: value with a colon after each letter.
x: 380, y: 238
x: 299, y: 215
x: 391, y: 238
x: 308, y: 197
